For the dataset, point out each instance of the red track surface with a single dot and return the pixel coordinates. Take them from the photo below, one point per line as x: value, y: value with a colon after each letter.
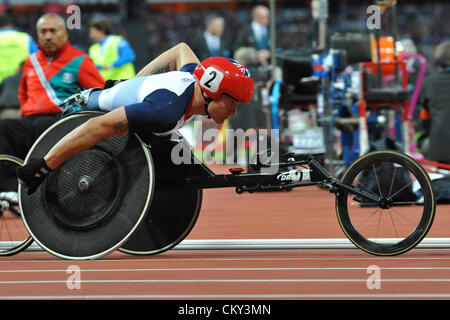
x: 240, y: 274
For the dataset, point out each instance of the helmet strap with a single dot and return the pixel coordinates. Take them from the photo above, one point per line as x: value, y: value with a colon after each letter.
x: 207, y: 102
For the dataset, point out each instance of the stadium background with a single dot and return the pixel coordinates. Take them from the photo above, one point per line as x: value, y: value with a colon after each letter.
x: 163, y: 23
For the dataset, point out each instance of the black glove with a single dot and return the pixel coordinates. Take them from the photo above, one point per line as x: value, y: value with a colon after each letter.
x: 33, y: 174
x: 111, y: 83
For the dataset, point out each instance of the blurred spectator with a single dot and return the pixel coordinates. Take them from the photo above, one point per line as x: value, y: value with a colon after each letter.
x: 49, y: 76
x: 256, y: 34
x: 252, y: 49
x: 293, y: 20
x: 15, y: 47
x: 9, y: 101
x: 435, y: 113
x: 112, y: 54
x: 407, y: 46
x: 250, y: 115
x: 211, y: 42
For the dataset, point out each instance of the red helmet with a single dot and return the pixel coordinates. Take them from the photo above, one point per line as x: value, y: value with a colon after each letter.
x: 219, y: 75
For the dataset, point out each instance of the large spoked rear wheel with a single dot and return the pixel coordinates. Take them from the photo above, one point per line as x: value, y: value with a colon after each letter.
x: 403, y: 220
x: 14, y: 237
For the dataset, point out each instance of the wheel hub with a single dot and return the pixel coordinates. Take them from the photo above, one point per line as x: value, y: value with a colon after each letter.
x: 385, y: 203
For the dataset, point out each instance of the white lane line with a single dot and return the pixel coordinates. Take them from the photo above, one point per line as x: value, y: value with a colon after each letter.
x: 239, y: 296
x: 217, y: 281
x: 175, y: 259
x: 206, y: 258
x: 226, y: 269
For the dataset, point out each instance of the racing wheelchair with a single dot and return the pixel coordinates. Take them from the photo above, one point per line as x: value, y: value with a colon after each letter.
x: 120, y: 195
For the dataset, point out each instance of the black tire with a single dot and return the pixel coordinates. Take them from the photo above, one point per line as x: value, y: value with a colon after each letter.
x: 175, y: 205
x: 161, y: 230
x: 92, y: 203
x: 12, y: 241
x: 406, y: 219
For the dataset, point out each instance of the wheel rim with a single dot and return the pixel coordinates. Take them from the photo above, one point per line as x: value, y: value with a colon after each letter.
x: 78, y: 238
x: 14, y: 237
x: 403, y: 220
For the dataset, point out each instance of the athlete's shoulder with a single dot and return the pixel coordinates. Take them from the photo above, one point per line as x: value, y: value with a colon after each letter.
x: 173, y: 79
x: 175, y: 82
x: 190, y: 67
x: 179, y: 81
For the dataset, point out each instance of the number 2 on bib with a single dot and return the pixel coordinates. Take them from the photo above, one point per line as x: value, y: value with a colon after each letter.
x: 211, y: 79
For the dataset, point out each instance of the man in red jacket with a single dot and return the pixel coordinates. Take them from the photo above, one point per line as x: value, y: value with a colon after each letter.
x: 49, y: 76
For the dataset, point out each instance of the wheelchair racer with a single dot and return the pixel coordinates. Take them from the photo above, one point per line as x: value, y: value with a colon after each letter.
x: 165, y: 94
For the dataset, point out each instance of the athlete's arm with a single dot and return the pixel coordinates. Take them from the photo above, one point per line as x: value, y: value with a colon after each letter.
x: 170, y: 60
x: 87, y: 135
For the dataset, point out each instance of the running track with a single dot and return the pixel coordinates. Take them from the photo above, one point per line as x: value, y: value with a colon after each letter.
x: 242, y: 274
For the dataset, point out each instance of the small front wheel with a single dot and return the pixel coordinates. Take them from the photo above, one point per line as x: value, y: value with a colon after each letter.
x: 402, y: 219
x: 14, y: 237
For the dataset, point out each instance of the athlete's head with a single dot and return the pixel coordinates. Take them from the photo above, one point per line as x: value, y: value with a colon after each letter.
x: 219, y: 75
x: 226, y: 83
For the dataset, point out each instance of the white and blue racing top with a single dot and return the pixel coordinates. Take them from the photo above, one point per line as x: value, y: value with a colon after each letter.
x: 157, y: 103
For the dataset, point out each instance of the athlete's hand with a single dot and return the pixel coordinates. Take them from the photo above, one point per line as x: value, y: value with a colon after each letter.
x: 111, y: 83
x: 33, y: 174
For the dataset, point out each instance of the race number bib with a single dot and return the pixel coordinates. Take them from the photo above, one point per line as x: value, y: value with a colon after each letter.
x: 211, y: 79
